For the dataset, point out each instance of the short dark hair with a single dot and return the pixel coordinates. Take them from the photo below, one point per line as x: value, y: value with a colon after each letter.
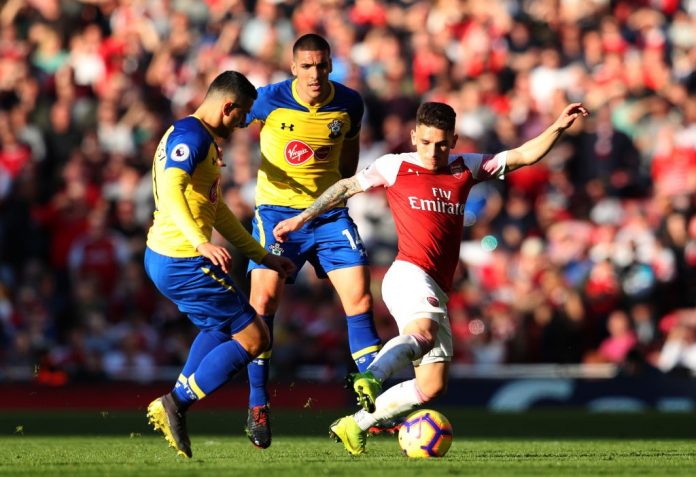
x: 232, y: 82
x: 311, y: 42
x: 437, y: 115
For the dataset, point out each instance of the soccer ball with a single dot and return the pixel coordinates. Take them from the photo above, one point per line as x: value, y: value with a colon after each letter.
x: 425, y: 433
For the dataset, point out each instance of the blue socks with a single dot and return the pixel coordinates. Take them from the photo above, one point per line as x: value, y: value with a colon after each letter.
x: 212, y: 369
x: 204, y: 343
x: 258, y: 371
x: 363, y: 339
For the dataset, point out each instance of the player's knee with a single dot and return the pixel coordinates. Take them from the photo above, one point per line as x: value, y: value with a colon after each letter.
x: 425, y: 339
x: 359, y: 303
x: 431, y: 390
x: 259, y: 345
x: 264, y: 304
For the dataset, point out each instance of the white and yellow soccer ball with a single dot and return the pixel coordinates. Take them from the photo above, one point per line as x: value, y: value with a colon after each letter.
x: 425, y: 433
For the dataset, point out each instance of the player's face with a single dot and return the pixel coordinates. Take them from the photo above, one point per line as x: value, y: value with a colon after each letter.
x: 433, y: 145
x: 233, y: 112
x: 312, y: 70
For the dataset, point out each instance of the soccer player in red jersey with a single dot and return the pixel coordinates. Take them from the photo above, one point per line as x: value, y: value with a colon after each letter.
x: 427, y: 192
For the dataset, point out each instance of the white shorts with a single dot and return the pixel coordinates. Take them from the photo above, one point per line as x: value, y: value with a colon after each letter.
x: 410, y: 293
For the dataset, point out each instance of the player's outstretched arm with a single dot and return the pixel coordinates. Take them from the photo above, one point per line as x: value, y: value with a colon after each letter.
x: 334, y: 195
x: 533, y: 150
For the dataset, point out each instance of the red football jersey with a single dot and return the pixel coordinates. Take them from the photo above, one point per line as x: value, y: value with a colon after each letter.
x: 428, y: 206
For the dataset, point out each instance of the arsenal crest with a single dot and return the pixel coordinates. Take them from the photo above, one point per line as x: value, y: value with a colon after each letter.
x: 457, y: 170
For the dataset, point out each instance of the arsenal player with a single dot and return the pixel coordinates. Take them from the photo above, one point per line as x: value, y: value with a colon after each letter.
x: 426, y: 191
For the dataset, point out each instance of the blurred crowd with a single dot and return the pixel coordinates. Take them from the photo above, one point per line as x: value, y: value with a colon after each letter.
x: 587, y: 257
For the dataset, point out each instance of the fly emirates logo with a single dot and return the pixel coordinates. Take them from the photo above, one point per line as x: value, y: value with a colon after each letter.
x: 441, y: 203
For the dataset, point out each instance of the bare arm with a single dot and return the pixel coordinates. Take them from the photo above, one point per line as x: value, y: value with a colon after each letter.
x: 533, y: 150
x: 350, y: 153
x: 334, y: 195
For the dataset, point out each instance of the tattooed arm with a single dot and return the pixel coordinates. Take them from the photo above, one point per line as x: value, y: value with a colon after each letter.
x: 334, y: 195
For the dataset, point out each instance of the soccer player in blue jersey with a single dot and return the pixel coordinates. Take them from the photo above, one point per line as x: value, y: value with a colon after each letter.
x: 309, y: 140
x: 192, y: 271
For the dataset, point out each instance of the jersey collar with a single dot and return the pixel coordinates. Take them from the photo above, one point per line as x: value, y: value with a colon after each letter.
x: 328, y: 99
x: 212, y: 135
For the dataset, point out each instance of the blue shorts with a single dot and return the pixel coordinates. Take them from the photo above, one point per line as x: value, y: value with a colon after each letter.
x: 201, y: 290
x: 329, y: 242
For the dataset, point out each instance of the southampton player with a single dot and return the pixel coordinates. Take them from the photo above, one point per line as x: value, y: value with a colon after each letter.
x: 426, y: 191
x: 190, y: 270
x: 309, y: 140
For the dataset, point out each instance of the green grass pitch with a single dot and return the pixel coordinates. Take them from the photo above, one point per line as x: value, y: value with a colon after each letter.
x: 544, y: 443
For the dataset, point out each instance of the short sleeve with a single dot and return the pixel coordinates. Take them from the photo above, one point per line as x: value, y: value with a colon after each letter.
x: 382, y: 172
x: 486, y: 166
x: 185, y: 150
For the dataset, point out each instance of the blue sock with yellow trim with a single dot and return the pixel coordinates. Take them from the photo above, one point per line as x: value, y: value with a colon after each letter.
x: 203, y: 344
x: 214, y: 370
x: 363, y: 339
x: 258, y: 371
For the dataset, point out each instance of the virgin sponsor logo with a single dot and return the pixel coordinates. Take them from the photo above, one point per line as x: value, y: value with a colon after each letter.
x: 213, y: 193
x: 297, y: 152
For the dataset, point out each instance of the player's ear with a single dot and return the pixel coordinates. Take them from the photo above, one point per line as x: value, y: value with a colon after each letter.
x: 227, y: 108
x: 330, y: 65
x: 413, y: 137
x: 455, y: 137
x: 293, y: 68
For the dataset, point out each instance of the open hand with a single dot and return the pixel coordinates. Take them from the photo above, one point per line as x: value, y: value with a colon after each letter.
x: 570, y: 114
x: 220, y: 256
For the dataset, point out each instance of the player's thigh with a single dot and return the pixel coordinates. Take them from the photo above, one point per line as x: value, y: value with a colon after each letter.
x: 353, y: 288
x: 266, y: 290
x: 297, y: 246
x: 431, y: 378
x: 413, y: 298
x: 337, y: 243
x: 201, y: 290
x: 410, y: 293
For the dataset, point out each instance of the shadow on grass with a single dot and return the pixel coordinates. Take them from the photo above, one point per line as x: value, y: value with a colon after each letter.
x: 472, y: 423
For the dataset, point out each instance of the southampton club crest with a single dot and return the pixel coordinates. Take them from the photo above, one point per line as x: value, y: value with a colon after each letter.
x: 335, y: 128
x: 276, y: 249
